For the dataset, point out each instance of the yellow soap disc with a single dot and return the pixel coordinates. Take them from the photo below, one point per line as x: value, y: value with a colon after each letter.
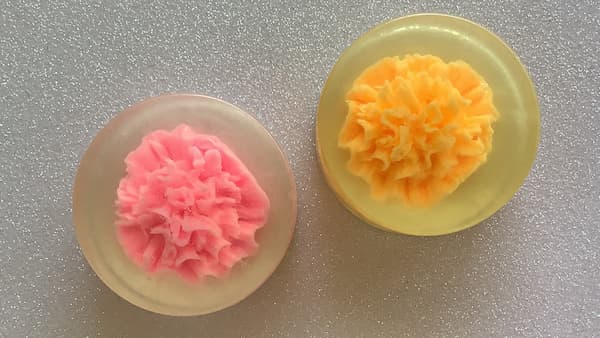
x: 392, y: 185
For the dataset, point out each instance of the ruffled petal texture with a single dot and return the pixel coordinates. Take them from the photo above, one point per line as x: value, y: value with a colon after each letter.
x: 417, y: 127
x: 188, y: 204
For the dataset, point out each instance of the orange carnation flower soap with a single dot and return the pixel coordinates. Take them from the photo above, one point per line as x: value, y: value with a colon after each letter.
x: 417, y: 127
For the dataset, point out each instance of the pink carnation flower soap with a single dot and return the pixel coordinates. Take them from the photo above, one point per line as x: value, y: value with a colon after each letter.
x: 189, y: 205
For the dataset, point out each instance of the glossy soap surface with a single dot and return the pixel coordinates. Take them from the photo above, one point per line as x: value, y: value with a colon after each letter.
x: 103, y: 166
x: 516, y: 133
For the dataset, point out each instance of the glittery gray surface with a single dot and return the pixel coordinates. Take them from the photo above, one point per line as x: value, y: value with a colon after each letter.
x: 67, y: 67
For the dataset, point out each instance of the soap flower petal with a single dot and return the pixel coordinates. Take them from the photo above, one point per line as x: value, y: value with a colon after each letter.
x: 417, y: 127
x: 183, y: 202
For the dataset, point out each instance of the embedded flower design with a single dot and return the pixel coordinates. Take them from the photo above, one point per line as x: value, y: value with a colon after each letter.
x: 417, y: 127
x: 188, y: 204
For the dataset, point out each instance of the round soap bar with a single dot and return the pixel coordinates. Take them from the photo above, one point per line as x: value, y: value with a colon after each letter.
x: 184, y: 204
x: 406, y: 143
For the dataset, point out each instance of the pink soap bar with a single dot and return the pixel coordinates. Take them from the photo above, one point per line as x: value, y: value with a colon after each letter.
x: 188, y: 204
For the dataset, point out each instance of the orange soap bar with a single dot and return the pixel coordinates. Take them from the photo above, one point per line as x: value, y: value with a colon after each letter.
x: 417, y: 127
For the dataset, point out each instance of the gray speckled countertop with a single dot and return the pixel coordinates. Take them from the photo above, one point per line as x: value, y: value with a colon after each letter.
x: 67, y: 67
